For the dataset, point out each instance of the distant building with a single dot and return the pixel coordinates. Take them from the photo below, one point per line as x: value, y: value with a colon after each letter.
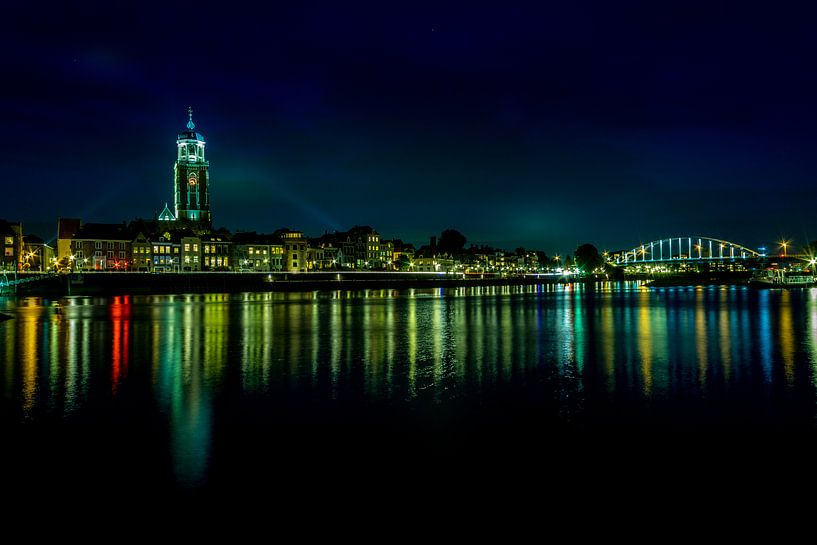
x: 11, y: 236
x: 295, y: 250
x: 37, y: 255
x: 256, y: 253
x: 66, y: 229
x: 191, y: 250
x: 338, y: 251
x: 322, y: 257
x: 357, y: 248
x: 100, y: 247
x: 402, y: 255
x: 386, y: 254
x: 216, y: 252
x: 142, y: 253
x: 166, y: 253
x: 433, y: 264
x: 366, y: 247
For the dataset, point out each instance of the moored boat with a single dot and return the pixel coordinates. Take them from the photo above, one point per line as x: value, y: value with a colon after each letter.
x: 778, y: 278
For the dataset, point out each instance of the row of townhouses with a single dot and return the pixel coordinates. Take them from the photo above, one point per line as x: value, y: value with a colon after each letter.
x: 165, y: 247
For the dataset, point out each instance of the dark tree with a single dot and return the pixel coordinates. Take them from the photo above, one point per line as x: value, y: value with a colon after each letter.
x: 451, y: 242
x: 587, y: 258
x: 403, y: 263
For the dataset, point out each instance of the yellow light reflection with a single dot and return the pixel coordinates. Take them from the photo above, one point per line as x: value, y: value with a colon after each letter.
x: 786, y: 336
x: 645, y: 342
x: 724, y: 334
x: 701, y: 338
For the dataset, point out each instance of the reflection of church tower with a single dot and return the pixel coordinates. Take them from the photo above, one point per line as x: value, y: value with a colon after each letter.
x: 191, y: 180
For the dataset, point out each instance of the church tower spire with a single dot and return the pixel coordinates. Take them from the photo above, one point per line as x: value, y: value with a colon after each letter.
x: 191, y: 176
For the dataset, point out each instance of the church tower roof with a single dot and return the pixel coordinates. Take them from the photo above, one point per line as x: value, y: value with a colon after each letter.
x: 167, y: 215
x: 190, y: 133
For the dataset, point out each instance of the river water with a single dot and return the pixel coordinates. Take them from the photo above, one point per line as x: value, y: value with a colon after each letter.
x: 198, y: 392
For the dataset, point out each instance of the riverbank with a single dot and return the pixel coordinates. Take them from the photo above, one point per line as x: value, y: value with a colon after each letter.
x: 121, y: 283
x: 738, y: 278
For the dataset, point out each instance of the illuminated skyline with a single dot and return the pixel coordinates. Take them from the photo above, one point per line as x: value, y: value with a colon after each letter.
x: 540, y: 126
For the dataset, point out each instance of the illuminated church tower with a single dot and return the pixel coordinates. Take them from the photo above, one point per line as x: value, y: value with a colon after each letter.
x: 191, y: 176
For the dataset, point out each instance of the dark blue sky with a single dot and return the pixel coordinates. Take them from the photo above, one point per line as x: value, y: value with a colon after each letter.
x: 537, y: 124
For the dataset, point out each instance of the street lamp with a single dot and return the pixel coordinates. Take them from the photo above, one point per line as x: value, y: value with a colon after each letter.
x: 784, y: 244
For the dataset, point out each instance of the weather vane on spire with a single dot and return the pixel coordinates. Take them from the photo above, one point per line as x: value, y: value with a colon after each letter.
x: 190, y: 124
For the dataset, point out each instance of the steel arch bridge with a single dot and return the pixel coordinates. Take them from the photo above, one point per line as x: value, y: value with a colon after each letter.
x: 684, y: 249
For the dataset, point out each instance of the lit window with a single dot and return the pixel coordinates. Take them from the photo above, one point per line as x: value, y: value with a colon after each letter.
x: 155, y: 249
x: 187, y: 248
x: 195, y: 247
x: 9, y: 241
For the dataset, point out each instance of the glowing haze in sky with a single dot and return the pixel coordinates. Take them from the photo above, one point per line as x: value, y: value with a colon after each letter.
x: 541, y: 124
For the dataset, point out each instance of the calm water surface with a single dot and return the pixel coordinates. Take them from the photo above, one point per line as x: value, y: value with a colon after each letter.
x: 195, y: 391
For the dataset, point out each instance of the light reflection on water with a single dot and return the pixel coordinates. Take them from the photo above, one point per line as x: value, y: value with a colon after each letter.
x: 192, y: 358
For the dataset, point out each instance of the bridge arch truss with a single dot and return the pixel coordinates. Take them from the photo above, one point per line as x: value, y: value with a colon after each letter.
x: 684, y: 249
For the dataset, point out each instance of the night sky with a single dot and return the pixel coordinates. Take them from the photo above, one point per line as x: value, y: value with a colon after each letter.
x: 536, y: 124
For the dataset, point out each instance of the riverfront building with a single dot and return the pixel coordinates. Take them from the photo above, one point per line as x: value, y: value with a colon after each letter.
x: 100, y: 247
x: 37, y: 255
x: 11, y: 237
